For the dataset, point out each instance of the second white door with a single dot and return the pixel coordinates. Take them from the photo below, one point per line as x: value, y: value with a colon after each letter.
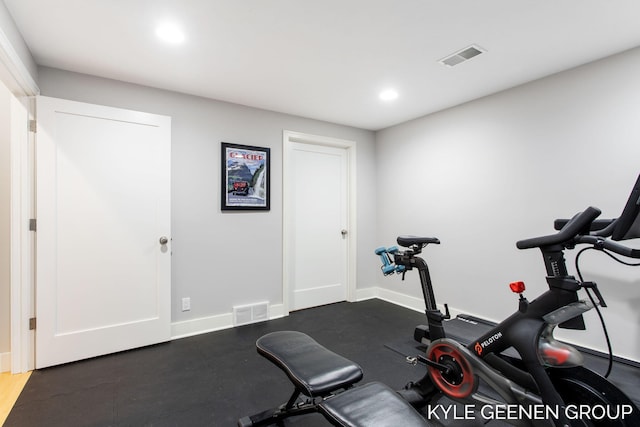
x: 318, y: 190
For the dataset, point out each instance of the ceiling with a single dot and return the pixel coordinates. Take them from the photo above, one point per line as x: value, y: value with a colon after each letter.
x: 328, y: 59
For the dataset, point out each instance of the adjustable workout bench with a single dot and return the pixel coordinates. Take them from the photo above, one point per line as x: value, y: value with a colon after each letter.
x: 327, y: 380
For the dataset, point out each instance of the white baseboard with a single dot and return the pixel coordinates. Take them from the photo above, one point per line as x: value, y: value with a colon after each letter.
x: 397, y: 298
x: 218, y: 322
x: 403, y: 300
x: 366, y: 293
x: 5, y: 362
x: 320, y: 295
x: 225, y: 321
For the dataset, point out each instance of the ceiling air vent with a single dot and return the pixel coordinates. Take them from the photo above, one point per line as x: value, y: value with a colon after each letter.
x: 462, y: 55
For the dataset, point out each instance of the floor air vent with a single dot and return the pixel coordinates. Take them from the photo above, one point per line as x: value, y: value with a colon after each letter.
x: 245, y: 314
x: 462, y: 56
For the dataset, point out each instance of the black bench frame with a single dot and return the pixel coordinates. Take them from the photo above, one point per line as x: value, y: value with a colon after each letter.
x: 309, y: 366
x: 327, y: 380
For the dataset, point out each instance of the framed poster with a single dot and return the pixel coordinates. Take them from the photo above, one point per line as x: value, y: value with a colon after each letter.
x: 245, y: 177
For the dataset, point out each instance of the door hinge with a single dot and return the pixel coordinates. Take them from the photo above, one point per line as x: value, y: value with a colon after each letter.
x: 33, y: 224
x: 33, y: 126
x: 32, y: 324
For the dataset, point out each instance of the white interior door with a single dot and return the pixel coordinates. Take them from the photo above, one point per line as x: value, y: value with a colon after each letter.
x: 319, y: 224
x: 103, y: 204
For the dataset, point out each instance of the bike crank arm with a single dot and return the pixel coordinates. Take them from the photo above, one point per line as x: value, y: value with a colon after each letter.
x: 414, y: 360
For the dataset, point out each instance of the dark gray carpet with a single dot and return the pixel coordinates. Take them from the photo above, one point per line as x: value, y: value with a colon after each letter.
x: 214, y: 379
x: 211, y: 379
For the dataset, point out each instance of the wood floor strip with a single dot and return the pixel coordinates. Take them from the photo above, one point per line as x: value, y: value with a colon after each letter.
x: 10, y: 388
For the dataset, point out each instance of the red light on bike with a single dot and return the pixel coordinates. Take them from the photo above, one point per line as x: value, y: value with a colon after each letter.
x: 555, y: 356
x: 517, y: 287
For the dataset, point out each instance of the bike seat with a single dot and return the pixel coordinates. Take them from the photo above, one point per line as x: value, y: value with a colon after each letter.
x: 407, y: 241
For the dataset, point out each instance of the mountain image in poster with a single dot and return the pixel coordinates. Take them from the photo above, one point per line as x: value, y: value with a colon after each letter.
x: 238, y: 171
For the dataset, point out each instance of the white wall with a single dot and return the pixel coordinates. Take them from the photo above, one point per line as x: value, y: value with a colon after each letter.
x: 210, y: 249
x: 483, y: 175
x: 479, y: 176
x: 5, y: 221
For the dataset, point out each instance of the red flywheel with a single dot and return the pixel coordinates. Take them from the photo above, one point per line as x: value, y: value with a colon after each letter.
x: 459, y: 381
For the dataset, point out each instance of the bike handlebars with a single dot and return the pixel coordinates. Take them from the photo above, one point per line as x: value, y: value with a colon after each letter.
x: 575, y: 227
x: 601, y: 243
x: 581, y: 229
x: 604, y: 227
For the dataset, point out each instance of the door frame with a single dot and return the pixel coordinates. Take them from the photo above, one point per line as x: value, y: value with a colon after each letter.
x: 288, y: 138
x: 15, y: 75
x: 22, y: 241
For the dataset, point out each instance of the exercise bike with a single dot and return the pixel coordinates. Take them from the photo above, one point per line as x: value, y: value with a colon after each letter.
x: 541, y: 383
x: 544, y: 381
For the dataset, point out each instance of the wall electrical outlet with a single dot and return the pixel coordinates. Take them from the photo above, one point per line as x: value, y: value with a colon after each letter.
x: 186, y: 304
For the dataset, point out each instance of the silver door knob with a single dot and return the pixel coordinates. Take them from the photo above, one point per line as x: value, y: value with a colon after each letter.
x: 344, y: 232
x: 164, y: 240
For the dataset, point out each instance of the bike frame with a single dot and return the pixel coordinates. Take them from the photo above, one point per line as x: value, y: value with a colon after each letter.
x: 546, y: 372
x: 526, y: 385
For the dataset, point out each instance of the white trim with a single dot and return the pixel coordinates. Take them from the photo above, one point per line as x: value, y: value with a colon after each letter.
x: 403, y: 300
x: 400, y: 299
x: 289, y: 137
x: 218, y: 322
x: 24, y: 82
x: 201, y: 325
x: 21, y: 240
x: 366, y: 293
x: 5, y: 362
x: 223, y: 321
x: 20, y: 81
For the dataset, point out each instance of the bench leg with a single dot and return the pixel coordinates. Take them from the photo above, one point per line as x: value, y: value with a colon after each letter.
x: 292, y: 400
x: 275, y: 415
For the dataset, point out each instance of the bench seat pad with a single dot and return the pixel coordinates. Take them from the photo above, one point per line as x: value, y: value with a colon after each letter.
x: 371, y: 405
x: 314, y: 370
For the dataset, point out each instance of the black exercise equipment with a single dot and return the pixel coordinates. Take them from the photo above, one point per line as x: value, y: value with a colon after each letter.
x: 545, y: 374
x: 370, y: 405
x: 327, y: 379
x: 543, y: 383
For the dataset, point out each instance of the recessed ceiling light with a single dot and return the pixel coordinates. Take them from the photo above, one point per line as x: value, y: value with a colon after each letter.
x: 388, y: 95
x: 170, y: 33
